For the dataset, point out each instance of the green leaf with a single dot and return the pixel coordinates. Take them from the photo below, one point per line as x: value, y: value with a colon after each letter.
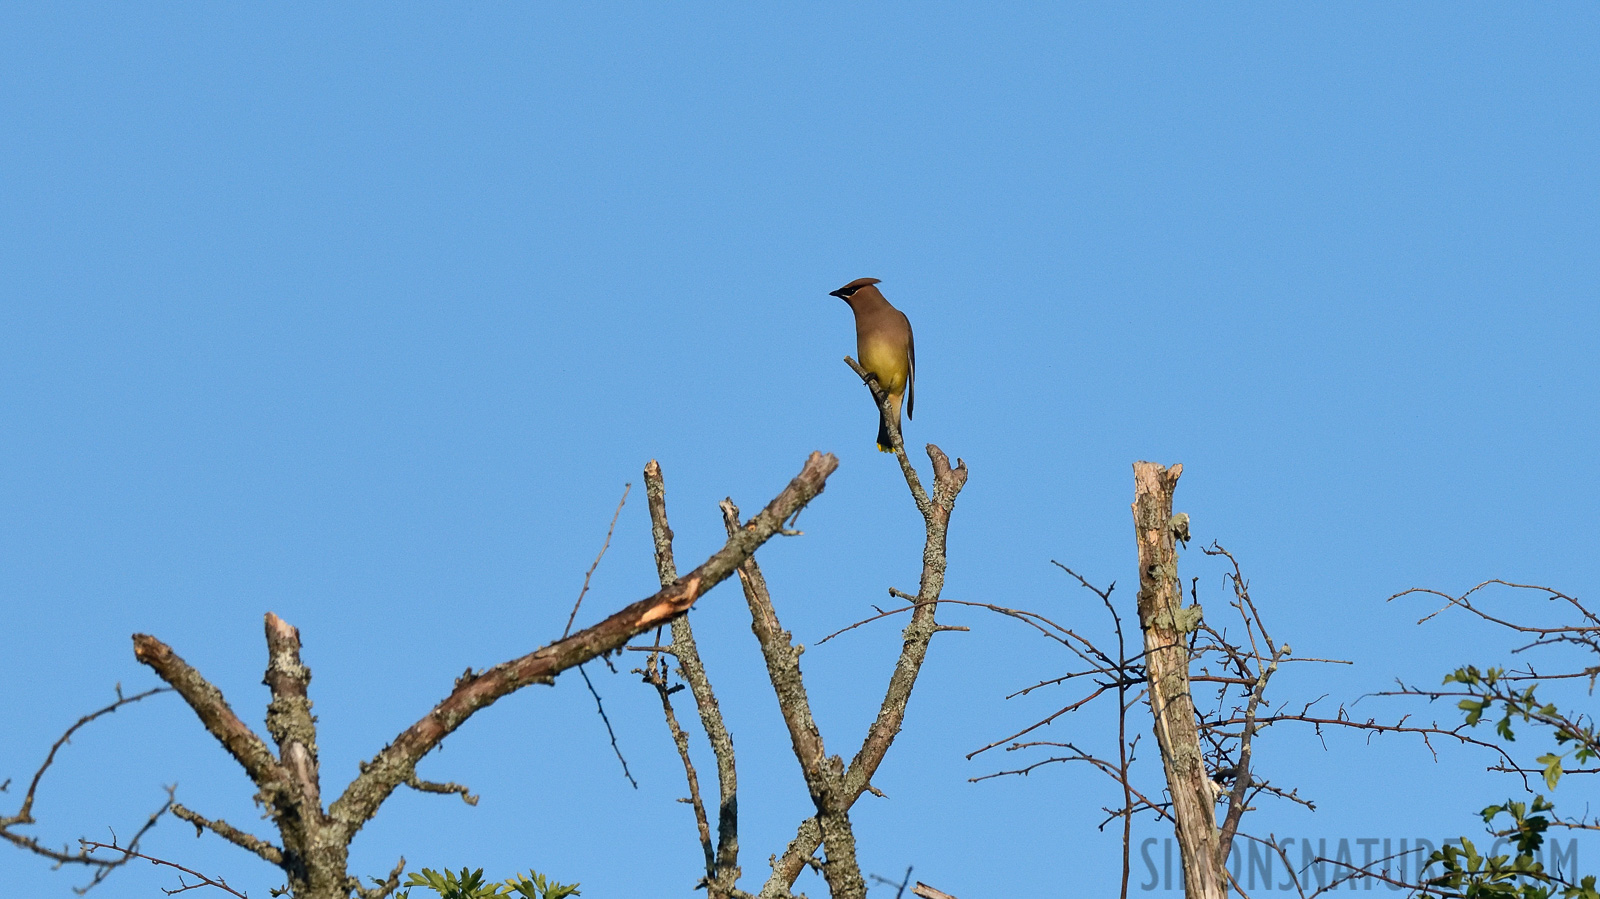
x: 1552, y: 769
x: 1503, y: 728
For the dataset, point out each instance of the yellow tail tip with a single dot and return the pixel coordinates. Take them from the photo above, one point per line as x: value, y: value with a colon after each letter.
x: 885, y: 449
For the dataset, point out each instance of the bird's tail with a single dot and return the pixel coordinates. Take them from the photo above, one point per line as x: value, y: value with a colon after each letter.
x: 885, y: 445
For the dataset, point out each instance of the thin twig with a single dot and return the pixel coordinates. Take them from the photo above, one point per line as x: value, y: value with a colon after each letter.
x: 129, y: 853
x: 596, y: 564
x: 900, y: 888
x: 24, y: 814
x: 600, y: 707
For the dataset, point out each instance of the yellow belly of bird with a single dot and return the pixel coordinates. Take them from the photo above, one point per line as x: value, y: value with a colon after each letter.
x: 889, y: 364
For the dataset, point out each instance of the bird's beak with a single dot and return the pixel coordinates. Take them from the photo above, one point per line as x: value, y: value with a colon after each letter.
x: 837, y: 293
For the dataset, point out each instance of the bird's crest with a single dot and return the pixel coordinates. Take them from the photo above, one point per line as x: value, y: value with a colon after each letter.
x: 845, y: 292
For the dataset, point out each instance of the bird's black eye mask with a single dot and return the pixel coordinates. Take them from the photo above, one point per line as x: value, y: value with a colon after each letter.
x: 845, y: 293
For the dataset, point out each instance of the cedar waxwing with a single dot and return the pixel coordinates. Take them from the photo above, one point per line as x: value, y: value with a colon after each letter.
x: 883, y: 341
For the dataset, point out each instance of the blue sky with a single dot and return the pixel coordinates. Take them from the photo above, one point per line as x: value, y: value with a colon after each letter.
x: 365, y: 316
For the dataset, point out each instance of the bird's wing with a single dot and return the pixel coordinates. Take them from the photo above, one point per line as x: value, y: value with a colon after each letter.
x: 911, y: 379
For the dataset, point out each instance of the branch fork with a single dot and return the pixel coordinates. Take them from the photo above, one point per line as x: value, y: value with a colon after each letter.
x: 315, y: 839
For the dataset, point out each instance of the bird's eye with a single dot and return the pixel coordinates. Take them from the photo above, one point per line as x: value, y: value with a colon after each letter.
x: 847, y: 294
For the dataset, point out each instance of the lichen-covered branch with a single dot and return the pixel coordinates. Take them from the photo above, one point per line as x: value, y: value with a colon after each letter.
x: 722, y: 860
x: 824, y: 776
x: 947, y: 483
x: 249, y: 750
x: 230, y: 833
x: 314, y: 851
x: 289, y: 719
x: 443, y: 789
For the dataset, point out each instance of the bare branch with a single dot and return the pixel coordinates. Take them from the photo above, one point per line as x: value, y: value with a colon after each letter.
x: 289, y: 718
x: 428, y: 786
x: 823, y: 775
x: 900, y: 887
x: 1464, y: 601
x: 391, y: 766
x: 600, y: 707
x: 1114, y: 771
x: 722, y: 861
x: 183, y: 887
x: 219, y: 719
x: 897, y: 443
x: 947, y: 484
x: 656, y: 676
x: 599, y: 704
x: 228, y: 832
x: 1263, y: 669
x: 24, y: 813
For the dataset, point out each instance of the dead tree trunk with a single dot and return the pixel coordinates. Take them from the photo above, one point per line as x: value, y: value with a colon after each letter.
x: 1167, y: 625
